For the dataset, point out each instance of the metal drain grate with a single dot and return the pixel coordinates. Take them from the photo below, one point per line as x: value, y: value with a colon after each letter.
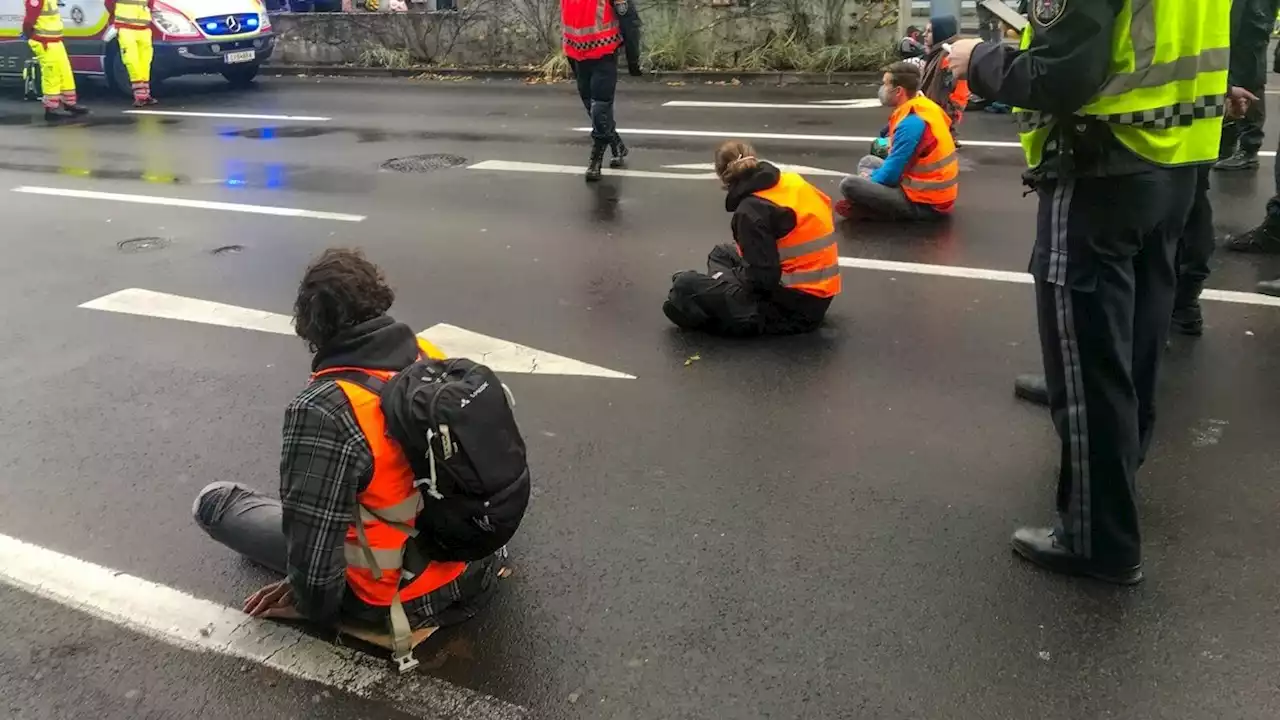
x: 423, y: 163
x: 142, y: 244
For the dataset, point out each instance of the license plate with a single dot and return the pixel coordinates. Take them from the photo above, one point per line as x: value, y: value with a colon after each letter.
x: 239, y: 57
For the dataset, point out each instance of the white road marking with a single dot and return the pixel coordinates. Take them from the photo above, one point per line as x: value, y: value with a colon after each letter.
x: 859, y: 104
x: 728, y: 134
x: 1022, y: 278
x: 191, y: 623
x: 801, y: 169
x: 230, y: 116
x: 184, y: 202
x: 532, y: 167
x: 500, y: 355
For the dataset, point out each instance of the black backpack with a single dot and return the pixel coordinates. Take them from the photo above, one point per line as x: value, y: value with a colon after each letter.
x: 453, y: 420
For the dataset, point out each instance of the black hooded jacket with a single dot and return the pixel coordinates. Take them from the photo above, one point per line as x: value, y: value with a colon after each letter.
x: 758, y: 225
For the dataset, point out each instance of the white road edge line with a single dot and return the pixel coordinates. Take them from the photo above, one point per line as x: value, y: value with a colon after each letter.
x: 500, y: 355
x: 184, y: 202
x: 180, y: 619
x: 514, y: 166
x: 230, y: 116
x: 1229, y: 296
x: 730, y: 134
x: 829, y: 105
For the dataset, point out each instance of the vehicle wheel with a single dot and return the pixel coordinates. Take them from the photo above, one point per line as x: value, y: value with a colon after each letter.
x: 118, y: 74
x: 241, y: 77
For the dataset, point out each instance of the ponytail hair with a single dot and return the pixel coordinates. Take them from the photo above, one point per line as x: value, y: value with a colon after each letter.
x: 735, y: 159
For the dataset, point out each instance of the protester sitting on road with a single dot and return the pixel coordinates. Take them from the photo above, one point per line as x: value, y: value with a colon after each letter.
x: 784, y: 269
x: 912, y: 45
x: 938, y: 82
x: 334, y: 462
x: 919, y: 180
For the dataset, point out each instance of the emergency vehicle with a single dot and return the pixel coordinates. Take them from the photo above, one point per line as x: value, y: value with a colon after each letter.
x: 227, y: 37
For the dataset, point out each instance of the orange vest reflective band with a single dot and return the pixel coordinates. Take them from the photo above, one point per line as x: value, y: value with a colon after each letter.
x: 810, y: 258
x: 935, y: 178
x: 591, y: 29
x: 388, y: 509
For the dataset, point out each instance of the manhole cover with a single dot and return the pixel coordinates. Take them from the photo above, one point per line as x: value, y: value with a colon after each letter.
x: 142, y: 244
x: 228, y: 250
x: 423, y: 163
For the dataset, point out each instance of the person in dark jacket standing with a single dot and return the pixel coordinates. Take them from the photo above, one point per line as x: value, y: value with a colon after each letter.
x: 1251, y: 24
x: 1104, y: 269
x: 784, y: 268
x: 593, y: 32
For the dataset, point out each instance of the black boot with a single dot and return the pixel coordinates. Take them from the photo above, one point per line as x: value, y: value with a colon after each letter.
x: 619, y: 151
x: 76, y: 109
x: 1031, y: 388
x: 56, y: 114
x: 1187, y: 316
x: 1262, y: 240
x: 593, y: 165
x: 1043, y: 547
x: 1239, y: 160
x: 1269, y: 287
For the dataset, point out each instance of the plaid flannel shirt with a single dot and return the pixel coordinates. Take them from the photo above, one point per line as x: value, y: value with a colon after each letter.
x: 325, y: 462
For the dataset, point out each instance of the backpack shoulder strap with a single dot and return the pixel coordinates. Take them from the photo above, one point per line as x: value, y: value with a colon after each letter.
x: 363, y: 379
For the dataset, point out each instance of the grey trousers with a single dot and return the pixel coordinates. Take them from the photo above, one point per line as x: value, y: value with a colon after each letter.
x: 244, y: 520
x: 873, y: 201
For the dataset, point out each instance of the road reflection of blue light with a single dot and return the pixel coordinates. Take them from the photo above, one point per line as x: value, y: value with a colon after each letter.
x: 275, y: 176
x: 238, y: 180
x: 268, y: 133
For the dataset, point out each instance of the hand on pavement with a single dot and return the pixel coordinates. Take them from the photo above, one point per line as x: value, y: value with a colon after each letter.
x: 1238, y: 101
x: 273, y: 601
x: 961, y: 51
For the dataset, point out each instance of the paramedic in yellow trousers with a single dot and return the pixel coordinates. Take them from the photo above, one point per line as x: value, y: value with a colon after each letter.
x: 42, y: 26
x: 132, y: 19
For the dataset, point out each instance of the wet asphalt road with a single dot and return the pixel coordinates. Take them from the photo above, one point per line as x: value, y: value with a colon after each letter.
x: 809, y: 527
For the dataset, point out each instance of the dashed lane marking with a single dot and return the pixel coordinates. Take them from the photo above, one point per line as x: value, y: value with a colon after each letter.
x: 230, y: 116
x: 1229, y: 296
x: 177, y: 618
x: 500, y: 355
x: 188, y: 203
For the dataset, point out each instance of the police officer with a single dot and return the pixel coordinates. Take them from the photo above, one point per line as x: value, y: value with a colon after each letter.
x: 1252, y: 22
x: 1118, y: 104
x: 593, y: 32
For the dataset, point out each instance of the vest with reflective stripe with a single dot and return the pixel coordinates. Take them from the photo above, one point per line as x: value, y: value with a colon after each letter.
x: 591, y: 29
x: 810, y: 259
x: 1164, y: 96
x: 932, y: 179
x: 388, y: 508
x: 132, y: 14
x: 48, y: 27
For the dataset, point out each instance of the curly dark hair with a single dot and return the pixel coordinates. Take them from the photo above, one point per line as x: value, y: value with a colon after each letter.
x: 340, y: 290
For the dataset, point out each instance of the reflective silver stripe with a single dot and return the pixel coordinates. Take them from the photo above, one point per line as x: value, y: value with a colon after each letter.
x: 936, y: 164
x: 1161, y: 74
x: 812, y: 246
x: 929, y: 185
x: 810, y: 276
x: 1142, y: 33
x: 371, y: 558
x: 402, y: 512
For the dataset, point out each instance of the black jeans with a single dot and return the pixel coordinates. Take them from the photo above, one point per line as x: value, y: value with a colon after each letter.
x: 1105, y: 281
x: 597, y: 84
x: 1196, y: 246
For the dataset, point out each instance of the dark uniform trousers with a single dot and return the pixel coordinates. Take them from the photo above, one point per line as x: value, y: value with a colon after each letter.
x: 1196, y: 246
x: 1104, y: 264
x: 597, y: 84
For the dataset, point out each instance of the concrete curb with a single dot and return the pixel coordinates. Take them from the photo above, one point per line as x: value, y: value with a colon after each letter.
x: 691, y: 76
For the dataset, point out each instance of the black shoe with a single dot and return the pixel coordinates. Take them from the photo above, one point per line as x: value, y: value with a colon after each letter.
x: 593, y: 165
x: 56, y: 114
x: 76, y: 109
x: 1262, y: 240
x: 1188, y: 320
x: 619, y: 151
x: 1239, y: 160
x: 1031, y: 388
x: 1269, y: 287
x: 1041, y: 546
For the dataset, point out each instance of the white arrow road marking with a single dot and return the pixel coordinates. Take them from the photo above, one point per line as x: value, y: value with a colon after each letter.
x: 858, y: 104
x: 532, y: 167
x: 184, y: 202
x: 230, y: 116
x: 188, y: 622
x: 500, y: 355
x: 801, y: 169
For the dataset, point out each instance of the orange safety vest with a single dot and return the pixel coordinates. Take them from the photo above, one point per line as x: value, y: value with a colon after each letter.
x: 810, y: 258
x: 388, y: 508
x: 932, y: 179
x: 591, y: 29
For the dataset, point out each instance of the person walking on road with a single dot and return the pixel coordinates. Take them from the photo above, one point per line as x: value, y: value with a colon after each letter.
x: 42, y: 26
x: 1252, y: 22
x: 1113, y: 156
x: 593, y: 32
x: 337, y: 460
x: 782, y: 271
x: 132, y: 20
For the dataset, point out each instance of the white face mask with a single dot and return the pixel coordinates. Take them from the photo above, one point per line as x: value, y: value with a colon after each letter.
x: 883, y: 93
